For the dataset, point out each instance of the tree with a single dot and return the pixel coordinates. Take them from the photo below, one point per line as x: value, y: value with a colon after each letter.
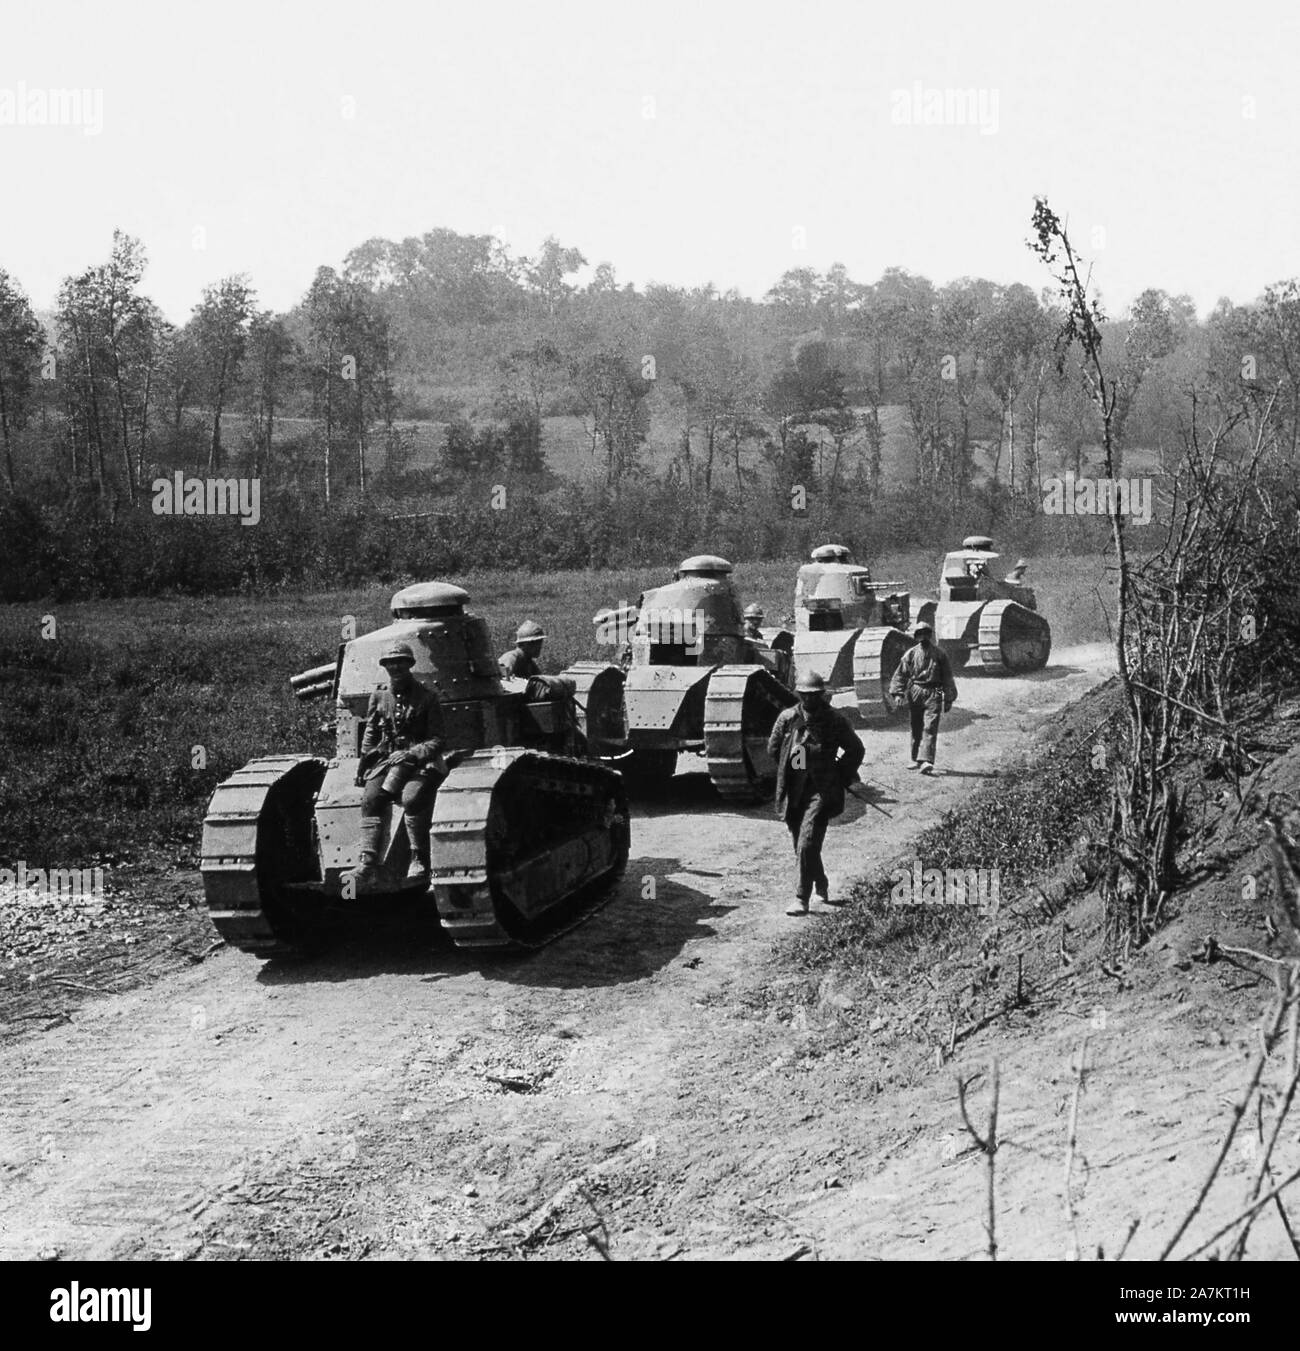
x: 1011, y: 336
x: 21, y: 341
x: 268, y: 364
x: 324, y: 345
x: 613, y: 392
x: 1280, y: 329
x: 179, y: 373
x: 530, y: 373
x: 220, y: 330
x: 108, y: 333
x: 545, y: 275
x: 350, y: 351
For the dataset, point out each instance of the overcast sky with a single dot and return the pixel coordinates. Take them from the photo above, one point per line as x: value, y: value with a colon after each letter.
x: 722, y: 142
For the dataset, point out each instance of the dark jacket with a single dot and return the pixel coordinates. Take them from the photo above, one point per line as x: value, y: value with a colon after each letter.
x: 518, y: 663
x: 411, y: 722
x: 825, y: 771
x: 926, y: 667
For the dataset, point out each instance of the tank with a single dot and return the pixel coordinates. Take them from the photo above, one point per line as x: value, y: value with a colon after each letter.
x: 984, y: 621
x: 688, y: 680
x: 528, y: 833
x: 849, y: 629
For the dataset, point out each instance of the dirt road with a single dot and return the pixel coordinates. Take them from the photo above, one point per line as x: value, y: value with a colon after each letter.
x: 397, y: 1103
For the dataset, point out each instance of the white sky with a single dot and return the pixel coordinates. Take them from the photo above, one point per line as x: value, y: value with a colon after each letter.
x: 527, y: 119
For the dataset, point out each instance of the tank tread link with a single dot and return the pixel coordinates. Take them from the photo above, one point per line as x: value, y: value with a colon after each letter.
x: 740, y: 705
x: 1012, y: 638
x: 526, y: 846
x: 256, y: 843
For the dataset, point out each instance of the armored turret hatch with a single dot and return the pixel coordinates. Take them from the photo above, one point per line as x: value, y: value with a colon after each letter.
x: 429, y: 600
x: 981, y: 543
x: 704, y: 565
x: 832, y: 553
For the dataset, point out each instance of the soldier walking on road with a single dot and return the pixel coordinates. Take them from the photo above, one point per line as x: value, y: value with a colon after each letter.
x: 401, y: 761
x: 521, y: 661
x: 924, y: 678
x: 817, y: 756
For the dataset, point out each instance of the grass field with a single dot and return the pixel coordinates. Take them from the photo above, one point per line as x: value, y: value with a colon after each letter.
x: 100, y: 724
x: 567, y: 446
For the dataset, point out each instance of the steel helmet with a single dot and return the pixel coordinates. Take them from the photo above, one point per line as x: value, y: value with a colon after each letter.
x: 812, y: 683
x: 397, y: 653
x: 529, y: 632
x: 753, y: 612
x: 922, y: 627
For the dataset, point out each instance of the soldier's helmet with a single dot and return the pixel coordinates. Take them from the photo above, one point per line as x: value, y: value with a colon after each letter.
x: 922, y: 628
x: 753, y: 612
x: 398, y: 654
x: 529, y: 632
x: 811, y: 683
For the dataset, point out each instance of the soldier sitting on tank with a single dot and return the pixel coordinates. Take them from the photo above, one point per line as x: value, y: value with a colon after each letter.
x: 521, y: 661
x: 754, y: 623
x: 401, y: 761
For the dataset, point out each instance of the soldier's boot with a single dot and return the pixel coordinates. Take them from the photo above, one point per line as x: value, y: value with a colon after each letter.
x: 417, y: 832
x: 366, y: 873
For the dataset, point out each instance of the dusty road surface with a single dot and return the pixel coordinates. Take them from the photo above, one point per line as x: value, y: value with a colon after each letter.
x: 392, y: 1102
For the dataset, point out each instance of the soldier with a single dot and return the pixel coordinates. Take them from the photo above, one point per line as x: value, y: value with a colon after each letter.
x: 811, y: 778
x: 521, y: 661
x: 1017, y: 574
x: 754, y: 623
x: 924, y: 678
x: 401, y: 761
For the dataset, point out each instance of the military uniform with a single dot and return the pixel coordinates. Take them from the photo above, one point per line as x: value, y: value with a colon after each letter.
x: 409, y: 725
x: 808, y: 797
x: 518, y: 664
x: 924, y: 676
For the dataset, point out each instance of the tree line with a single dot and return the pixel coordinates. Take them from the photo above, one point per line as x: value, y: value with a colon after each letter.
x: 801, y: 388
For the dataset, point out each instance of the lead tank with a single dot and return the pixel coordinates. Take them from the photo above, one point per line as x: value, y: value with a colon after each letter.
x: 527, y: 833
x: 689, y: 681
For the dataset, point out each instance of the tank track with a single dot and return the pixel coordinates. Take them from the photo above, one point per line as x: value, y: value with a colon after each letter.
x: 876, y: 655
x: 598, y: 694
x: 740, y: 706
x: 257, y: 841
x: 1012, y: 639
x: 526, y: 845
